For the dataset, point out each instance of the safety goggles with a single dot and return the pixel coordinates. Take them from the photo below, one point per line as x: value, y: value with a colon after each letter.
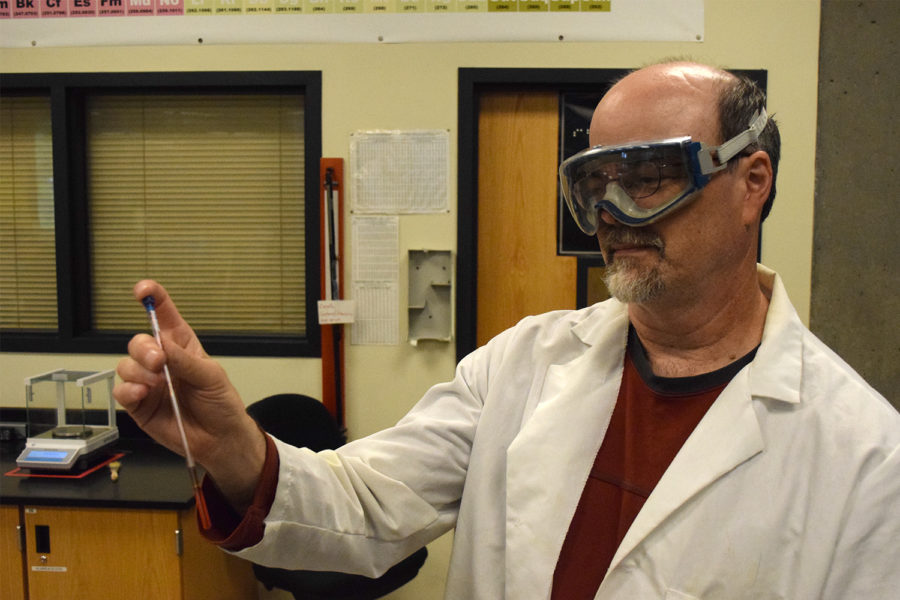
x: 642, y: 182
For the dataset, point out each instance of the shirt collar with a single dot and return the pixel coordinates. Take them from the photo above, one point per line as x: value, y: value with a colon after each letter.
x: 775, y: 371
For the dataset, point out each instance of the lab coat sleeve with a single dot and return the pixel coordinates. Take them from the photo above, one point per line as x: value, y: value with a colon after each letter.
x: 865, y: 560
x: 364, y: 507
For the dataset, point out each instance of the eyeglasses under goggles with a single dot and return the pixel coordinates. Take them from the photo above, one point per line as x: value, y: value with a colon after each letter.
x: 639, y: 183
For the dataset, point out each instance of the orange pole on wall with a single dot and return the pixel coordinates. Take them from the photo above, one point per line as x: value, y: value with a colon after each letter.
x: 331, y: 194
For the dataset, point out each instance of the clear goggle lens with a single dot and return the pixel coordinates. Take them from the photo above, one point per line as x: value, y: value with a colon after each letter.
x: 641, y: 182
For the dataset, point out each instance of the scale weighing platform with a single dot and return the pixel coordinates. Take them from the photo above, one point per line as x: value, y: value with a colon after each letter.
x: 69, y: 446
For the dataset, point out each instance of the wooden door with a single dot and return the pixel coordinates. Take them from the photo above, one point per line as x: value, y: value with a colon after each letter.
x: 102, y: 553
x: 12, y: 573
x: 519, y: 272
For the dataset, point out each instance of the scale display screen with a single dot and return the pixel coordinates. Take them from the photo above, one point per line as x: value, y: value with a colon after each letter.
x: 47, y: 455
x: 57, y: 459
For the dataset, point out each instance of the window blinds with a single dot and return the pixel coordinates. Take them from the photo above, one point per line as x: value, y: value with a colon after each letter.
x: 27, y: 236
x: 205, y: 194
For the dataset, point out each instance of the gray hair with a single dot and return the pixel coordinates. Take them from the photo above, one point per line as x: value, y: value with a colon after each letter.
x: 739, y: 102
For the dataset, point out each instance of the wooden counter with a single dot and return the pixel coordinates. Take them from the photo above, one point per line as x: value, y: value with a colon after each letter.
x: 95, y: 538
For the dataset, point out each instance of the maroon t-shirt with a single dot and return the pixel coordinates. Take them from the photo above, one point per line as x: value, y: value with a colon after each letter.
x: 652, y: 419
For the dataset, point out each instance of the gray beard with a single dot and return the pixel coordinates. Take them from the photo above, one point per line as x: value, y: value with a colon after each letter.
x: 629, y: 284
x: 626, y: 279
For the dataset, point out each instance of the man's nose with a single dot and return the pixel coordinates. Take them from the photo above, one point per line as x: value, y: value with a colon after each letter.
x: 608, y: 218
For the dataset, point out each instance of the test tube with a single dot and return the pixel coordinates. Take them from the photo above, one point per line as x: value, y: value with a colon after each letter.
x: 150, y: 304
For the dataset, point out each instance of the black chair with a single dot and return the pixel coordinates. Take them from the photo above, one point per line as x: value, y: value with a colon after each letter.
x: 303, y: 421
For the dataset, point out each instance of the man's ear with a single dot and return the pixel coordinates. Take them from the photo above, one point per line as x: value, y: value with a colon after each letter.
x: 757, y: 175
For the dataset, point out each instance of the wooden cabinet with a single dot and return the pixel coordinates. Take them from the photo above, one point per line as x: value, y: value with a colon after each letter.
x: 132, y: 538
x: 115, y: 553
x: 12, y: 582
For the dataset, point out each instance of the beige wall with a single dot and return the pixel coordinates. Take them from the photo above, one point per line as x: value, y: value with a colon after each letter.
x: 411, y: 86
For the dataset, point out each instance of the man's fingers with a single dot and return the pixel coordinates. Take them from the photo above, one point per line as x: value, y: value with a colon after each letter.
x: 130, y: 394
x: 131, y: 371
x: 148, y: 287
x: 170, y: 320
x: 166, y: 312
x: 145, y: 351
x: 199, y: 371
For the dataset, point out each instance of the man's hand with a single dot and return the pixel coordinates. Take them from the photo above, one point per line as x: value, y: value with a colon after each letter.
x: 222, y: 437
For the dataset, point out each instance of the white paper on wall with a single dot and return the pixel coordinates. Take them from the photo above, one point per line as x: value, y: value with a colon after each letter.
x: 376, y: 314
x: 375, y: 242
x: 400, y: 172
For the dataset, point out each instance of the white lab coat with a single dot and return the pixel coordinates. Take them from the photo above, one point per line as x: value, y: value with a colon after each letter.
x: 788, y: 488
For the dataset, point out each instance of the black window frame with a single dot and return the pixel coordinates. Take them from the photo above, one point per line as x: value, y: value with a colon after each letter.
x: 68, y: 93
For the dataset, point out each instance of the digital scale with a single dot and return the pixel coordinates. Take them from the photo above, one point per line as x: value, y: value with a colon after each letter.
x: 68, y: 446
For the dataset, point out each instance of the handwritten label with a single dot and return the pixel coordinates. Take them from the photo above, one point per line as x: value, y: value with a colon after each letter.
x: 335, y: 312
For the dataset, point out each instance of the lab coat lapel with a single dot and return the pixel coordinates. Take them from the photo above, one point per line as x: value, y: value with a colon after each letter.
x: 549, y: 461
x: 728, y: 435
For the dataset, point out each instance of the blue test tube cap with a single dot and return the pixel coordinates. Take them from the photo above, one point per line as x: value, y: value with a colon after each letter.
x: 148, y: 303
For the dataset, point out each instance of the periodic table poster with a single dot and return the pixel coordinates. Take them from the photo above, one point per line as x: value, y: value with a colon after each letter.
x: 127, y: 22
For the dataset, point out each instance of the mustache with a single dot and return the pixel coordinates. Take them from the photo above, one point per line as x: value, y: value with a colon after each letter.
x: 612, y: 235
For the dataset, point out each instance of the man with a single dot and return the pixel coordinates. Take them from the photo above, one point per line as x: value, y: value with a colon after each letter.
x: 689, y: 439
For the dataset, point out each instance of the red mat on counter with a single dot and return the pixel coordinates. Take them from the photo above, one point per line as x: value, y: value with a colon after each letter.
x: 20, y: 472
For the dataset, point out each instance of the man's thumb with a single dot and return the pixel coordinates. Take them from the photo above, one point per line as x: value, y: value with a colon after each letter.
x: 197, y: 371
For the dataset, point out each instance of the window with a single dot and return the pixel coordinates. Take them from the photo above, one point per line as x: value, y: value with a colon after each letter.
x: 28, y: 266
x: 207, y: 182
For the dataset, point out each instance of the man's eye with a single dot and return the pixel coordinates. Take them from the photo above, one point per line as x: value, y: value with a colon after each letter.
x: 640, y: 179
x: 671, y: 171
